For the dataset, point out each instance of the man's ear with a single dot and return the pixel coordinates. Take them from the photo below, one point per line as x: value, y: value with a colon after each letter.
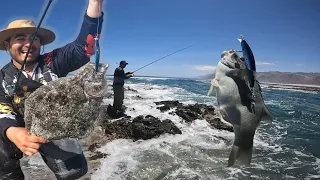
x: 6, y: 45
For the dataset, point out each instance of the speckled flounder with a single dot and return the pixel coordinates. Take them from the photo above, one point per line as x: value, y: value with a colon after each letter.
x: 68, y: 106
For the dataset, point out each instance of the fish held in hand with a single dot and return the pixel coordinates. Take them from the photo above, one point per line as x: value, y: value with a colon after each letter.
x: 69, y: 106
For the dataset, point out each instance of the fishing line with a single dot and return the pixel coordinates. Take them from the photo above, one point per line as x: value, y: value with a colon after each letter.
x: 34, y: 35
x: 163, y: 58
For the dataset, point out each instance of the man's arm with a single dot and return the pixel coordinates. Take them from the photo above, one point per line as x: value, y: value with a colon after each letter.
x: 11, y: 129
x: 120, y: 73
x: 77, y: 53
x: 7, y: 115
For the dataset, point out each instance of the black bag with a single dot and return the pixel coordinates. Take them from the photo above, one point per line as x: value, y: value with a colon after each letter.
x: 65, y: 158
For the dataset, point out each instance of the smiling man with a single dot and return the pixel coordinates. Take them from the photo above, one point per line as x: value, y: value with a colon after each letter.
x: 15, y: 140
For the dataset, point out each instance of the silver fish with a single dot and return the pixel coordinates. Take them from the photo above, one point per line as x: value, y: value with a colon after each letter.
x: 234, y: 102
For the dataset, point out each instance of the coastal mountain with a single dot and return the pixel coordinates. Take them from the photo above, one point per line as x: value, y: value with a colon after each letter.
x: 282, y: 77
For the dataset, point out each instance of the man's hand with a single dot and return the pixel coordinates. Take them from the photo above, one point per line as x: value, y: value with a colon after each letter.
x: 130, y: 74
x: 94, y: 8
x: 96, y: 1
x: 26, y: 142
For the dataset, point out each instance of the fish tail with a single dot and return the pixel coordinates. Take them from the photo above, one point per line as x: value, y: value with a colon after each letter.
x: 244, y: 155
x: 242, y: 147
x: 234, y: 154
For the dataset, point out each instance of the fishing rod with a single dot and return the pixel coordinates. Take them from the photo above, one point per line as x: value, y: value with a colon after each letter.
x: 34, y: 35
x: 163, y: 58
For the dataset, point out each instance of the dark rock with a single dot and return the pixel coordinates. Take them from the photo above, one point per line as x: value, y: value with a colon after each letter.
x: 163, y: 108
x: 151, y: 127
x: 191, y: 112
x: 217, y: 123
x: 130, y: 89
x: 98, y: 155
x: 92, y: 147
x: 140, y: 128
x: 115, y: 114
x: 119, y: 129
x: 137, y: 97
x: 167, y: 105
x: 170, y: 104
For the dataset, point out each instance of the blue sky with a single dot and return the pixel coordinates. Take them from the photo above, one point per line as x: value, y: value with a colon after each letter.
x: 284, y: 35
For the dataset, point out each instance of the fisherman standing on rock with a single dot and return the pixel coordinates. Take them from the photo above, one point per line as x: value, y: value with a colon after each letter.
x: 26, y: 71
x: 118, y: 82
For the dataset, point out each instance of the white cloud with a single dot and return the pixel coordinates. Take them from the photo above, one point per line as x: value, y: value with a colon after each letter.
x: 204, y: 68
x: 261, y: 63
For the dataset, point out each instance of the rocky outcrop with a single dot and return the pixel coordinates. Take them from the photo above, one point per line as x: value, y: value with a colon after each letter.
x: 140, y: 128
x: 192, y: 112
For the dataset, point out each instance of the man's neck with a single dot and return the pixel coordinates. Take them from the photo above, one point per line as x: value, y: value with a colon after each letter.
x: 27, y: 67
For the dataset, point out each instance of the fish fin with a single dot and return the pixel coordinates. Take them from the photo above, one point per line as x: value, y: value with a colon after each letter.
x: 258, y: 125
x: 214, y: 85
x: 242, y: 73
x: 226, y: 117
x: 266, y: 115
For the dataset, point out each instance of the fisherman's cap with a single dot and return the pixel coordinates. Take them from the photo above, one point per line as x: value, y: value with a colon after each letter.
x: 25, y: 27
x: 123, y: 62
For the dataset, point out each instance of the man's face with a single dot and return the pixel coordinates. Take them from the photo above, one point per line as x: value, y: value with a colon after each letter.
x: 123, y: 65
x: 18, y: 46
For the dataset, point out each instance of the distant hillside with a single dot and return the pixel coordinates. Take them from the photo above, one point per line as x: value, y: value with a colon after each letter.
x: 283, y: 77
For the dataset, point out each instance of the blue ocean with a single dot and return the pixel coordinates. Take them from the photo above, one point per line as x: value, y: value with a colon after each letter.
x: 288, y: 148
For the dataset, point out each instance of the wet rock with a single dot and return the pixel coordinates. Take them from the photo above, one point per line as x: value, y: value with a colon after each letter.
x: 191, y: 112
x: 114, y: 114
x: 151, y: 127
x: 130, y: 89
x: 98, y: 155
x: 167, y: 105
x: 137, y: 97
x: 140, y: 128
x: 119, y: 129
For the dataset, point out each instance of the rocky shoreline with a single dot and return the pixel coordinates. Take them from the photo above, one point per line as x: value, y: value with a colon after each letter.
x: 302, y: 87
x: 135, y: 128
